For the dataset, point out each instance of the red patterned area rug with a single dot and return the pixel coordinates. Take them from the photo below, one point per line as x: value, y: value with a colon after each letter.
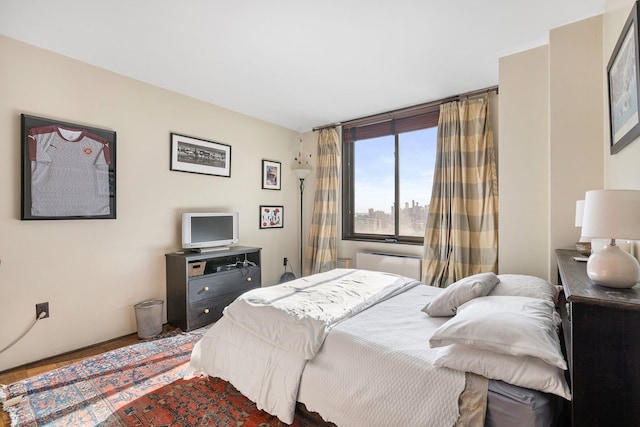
x: 138, y: 385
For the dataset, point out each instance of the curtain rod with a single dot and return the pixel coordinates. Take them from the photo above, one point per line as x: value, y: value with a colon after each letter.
x: 465, y: 95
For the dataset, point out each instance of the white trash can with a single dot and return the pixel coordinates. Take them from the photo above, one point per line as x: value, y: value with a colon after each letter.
x: 149, y: 318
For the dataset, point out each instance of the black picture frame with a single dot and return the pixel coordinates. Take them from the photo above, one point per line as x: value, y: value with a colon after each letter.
x: 68, y: 170
x: 271, y: 216
x: 195, y: 155
x: 271, y: 175
x: 623, y: 77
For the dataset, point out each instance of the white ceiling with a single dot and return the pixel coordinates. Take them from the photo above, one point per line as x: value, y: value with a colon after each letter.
x: 296, y: 63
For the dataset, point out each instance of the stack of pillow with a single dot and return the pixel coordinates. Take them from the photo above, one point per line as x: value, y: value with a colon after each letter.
x: 504, y: 327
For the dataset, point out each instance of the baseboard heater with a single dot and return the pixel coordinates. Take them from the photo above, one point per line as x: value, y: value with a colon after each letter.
x: 405, y: 265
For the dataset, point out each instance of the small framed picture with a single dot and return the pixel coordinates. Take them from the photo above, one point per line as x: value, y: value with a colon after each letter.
x: 68, y: 170
x: 200, y: 156
x: 271, y: 216
x: 271, y: 172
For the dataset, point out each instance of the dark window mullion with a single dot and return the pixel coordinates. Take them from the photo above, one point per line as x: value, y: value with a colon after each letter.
x: 397, y: 188
x: 348, y: 199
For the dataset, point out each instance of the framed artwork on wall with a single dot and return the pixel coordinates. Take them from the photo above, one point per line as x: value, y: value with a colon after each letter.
x: 271, y: 216
x: 197, y: 155
x: 68, y: 170
x: 624, y: 90
x: 271, y: 173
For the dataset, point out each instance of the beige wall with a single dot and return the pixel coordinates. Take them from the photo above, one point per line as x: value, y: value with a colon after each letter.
x: 92, y: 272
x: 524, y: 163
x: 575, y: 126
x: 551, y: 138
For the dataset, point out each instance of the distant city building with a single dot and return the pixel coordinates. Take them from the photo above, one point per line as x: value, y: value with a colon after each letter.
x: 413, y: 219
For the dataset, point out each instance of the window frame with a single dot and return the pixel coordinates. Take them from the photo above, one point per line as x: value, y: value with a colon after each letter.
x: 394, y: 123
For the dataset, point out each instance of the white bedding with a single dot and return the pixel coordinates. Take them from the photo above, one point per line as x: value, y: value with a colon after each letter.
x: 266, y: 374
x: 375, y: 368
x: 265, y: 337
x: 392, y: 341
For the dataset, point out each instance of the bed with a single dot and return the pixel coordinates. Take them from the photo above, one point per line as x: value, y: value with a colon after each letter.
x: 364, y: 348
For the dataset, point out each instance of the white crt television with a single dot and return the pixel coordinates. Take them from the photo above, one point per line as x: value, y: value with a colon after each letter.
x: 203, y: 232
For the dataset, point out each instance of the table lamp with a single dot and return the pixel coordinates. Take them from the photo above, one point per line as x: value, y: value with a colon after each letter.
x: 583, y: 245
x: 579, y: 213
x: 612, y: 214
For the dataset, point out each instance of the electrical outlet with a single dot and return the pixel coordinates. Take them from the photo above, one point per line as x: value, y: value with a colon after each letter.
x: 285, y: 261
x: 43, y: 306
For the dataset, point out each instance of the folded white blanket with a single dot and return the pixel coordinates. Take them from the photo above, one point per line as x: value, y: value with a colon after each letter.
x: 296, y: 316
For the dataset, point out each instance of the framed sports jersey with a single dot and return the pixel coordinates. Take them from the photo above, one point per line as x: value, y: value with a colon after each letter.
x: 68, y: 170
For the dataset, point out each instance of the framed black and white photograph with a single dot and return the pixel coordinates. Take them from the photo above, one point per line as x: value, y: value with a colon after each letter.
x: 271, y: 173
x: 623, y: 77
x: 68, y: 170
x: 271, y: 216
x: 196, y: 155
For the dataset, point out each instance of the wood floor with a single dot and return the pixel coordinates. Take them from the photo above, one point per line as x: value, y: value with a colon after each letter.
x: 35, y: 368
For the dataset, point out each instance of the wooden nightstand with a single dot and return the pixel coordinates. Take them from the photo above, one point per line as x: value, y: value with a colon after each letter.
x: 601, y: 329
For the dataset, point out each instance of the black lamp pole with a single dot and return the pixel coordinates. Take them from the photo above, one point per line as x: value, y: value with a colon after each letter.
x: 301, y: 173
x: 301, y: 227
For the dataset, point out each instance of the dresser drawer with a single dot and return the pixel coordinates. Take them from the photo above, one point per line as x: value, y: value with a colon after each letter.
x: 225, y: 282
x: 206, y: 311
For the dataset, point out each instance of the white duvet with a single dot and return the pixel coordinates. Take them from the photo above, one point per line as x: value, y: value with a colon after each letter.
x: 265, y: 337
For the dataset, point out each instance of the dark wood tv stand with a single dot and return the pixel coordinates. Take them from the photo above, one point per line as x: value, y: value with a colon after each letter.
x: 601, y: 328
x: 200, y: 285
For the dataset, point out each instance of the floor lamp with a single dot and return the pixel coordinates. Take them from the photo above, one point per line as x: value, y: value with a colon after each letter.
x: 301, y: 173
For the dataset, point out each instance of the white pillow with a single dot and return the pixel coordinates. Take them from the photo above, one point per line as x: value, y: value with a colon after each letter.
x: 521, y: 285
x: 447, y: 302
x: 517, y: 326
x: 523, y: 371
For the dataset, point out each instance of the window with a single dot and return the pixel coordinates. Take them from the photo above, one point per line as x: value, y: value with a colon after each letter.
x: 388, y: 174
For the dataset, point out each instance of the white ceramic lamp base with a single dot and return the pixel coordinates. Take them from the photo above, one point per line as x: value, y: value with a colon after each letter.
x: 614, y: 268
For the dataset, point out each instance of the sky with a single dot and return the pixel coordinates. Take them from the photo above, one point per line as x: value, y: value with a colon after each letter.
x: 374, y: 173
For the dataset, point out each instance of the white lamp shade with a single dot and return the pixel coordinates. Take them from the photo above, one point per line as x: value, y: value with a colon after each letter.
x: 612, y: 214
x: 579, y: 212
x: 301, y: 173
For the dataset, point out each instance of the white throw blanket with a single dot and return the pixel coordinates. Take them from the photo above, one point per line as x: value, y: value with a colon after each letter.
x: 265, y: 337
x: 296, y: 316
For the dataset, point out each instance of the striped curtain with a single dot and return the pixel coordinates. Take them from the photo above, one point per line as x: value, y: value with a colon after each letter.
x: 321, y: 252
x: 461, y: 236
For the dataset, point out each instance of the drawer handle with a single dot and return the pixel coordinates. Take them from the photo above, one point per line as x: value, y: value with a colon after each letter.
x: 206, y: 288
x: 206, y: 311
x: 248, y: 279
